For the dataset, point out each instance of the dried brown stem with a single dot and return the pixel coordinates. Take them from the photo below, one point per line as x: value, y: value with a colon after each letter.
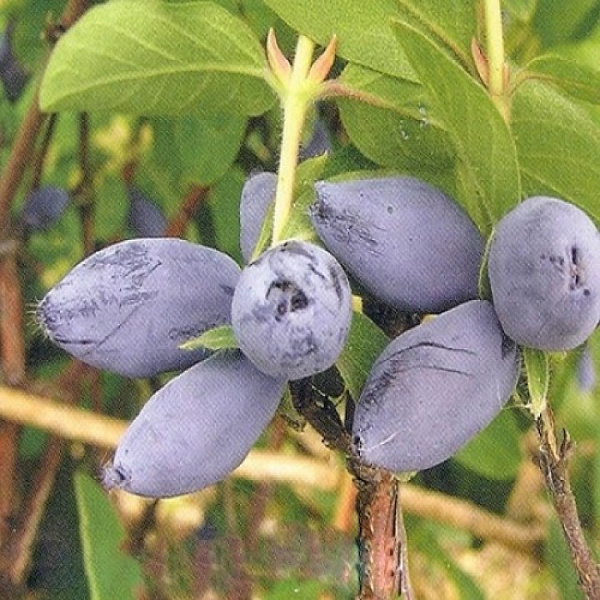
x: 553, y: 462
x: 380, y: 536
x: 383, y: 571
x: 12, y: 360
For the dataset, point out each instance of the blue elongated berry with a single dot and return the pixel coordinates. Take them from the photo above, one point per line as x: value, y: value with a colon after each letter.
x: 257, y: 194
x: 128, y: 307
x: 196, y: 429
x: 13, y: 75
x: 433, y: 388
x: 544, y: 271
x: 586, y: 369
x: 408, y: 243
x: 144, y: 217
x: 318, y: 143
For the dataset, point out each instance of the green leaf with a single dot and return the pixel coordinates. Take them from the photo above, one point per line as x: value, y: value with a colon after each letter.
x: 218, y: 338
x: 110, y: 208
x: 266, y: 233
x: 399, y: 131
x: 364, y: 30
x: 364, y: 344
x: 429, y: 544
x: 557, y: 556
x: 577, y: 80
x: 451, y: 24
x: 220, y: 213
x: 537, y: 367
x: 558, y: 144
x: 202, y: 149
x: 111, y: 573
x: 522, y: 10
x: 158, y: 58
x: 295, y: 588
x: 495, y: 453
x: 556, y: 22
x: 487, y: 163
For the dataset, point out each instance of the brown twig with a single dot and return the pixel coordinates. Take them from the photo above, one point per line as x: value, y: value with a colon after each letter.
x: 195, y: 196
x: 320, y: 412
x: 12, y: 341
x: 37, y: 167
x: 553, y: 462
x: 84, y: 193
x: 380, y: 537
x: 12, y: 357
x: 20, y: 156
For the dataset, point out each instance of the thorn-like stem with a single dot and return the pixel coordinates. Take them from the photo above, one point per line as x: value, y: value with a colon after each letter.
x: 296, y: 100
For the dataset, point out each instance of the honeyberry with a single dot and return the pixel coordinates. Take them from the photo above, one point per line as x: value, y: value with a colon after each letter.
x: 407, y: 242
x: 544, y: 271
x: 318, y: 143
x: 129, y: 307
x: 196, y: 429
x: 257, y: 194
x: 586, y: 369
x: 433, y: 388
x: 291, y: 310
x: 144, y: 217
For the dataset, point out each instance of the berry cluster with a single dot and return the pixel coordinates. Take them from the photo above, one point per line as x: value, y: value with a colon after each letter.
x: 129, y: 307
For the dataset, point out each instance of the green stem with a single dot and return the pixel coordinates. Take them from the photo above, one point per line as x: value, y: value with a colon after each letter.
x: 495, y: 56
x: 495, y: 46
x: 296, y: 100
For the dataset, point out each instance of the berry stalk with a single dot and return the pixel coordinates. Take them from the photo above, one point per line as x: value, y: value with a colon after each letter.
x: 495, y: 54
x: 296, y: 99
